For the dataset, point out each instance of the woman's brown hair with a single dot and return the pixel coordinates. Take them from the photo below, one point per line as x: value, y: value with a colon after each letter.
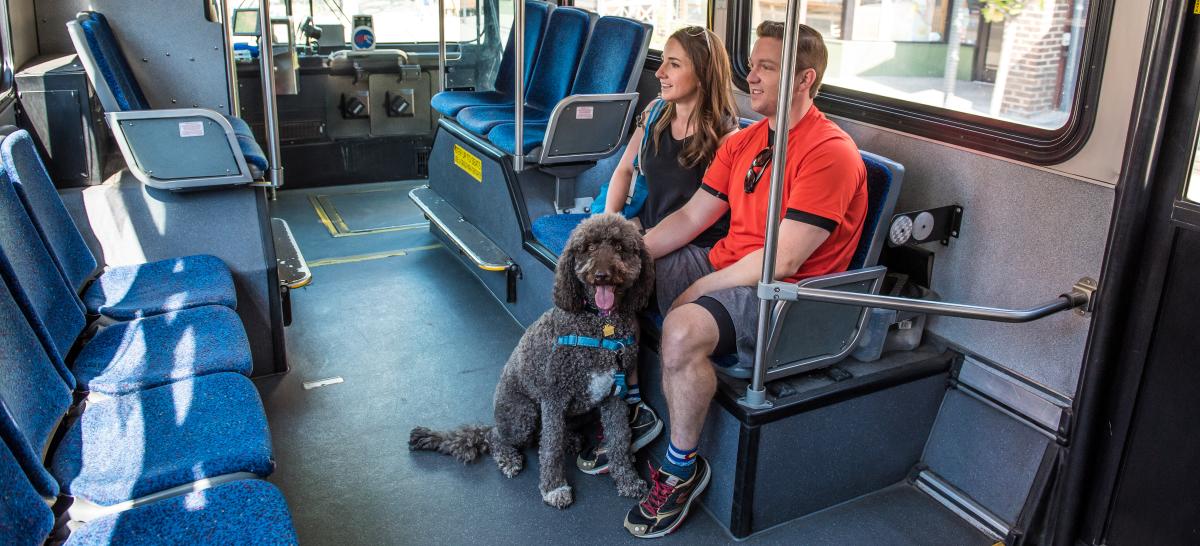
x: 715, y: 114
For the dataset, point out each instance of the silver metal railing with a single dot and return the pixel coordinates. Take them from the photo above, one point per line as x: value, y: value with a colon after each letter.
x: 1079, y: 296
x: 266, y: 58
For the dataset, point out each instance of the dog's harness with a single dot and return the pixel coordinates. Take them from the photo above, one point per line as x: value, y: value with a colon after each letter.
x: 620, y: 388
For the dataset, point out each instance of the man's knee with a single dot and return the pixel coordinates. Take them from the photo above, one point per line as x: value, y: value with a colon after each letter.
x: 689, y: 334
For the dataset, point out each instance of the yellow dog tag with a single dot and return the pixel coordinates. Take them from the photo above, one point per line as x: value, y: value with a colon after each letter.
x: 609, y: 330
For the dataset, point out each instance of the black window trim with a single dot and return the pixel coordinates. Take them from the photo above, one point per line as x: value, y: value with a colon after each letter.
x: 989, y: 135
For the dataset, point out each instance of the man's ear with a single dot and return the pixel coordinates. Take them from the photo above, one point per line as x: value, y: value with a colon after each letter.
x: 803, y: 81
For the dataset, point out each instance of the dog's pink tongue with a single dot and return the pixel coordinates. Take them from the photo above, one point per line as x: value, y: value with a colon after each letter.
x: 604, y: 297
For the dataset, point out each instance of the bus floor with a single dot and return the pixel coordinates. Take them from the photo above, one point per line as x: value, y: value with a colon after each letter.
x: 416, y: 340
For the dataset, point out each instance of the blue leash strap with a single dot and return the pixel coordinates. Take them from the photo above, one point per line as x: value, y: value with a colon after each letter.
x: 620, y: 388
x: 611, y: 344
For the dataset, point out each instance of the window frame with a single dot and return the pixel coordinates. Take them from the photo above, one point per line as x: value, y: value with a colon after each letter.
x: 8, y: 90
x: 985, y: 134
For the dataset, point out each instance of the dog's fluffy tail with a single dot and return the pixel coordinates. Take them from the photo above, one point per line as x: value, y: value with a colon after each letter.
x: 465, y: 443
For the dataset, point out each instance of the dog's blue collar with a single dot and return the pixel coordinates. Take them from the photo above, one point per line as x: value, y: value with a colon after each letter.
x: 611, y: 344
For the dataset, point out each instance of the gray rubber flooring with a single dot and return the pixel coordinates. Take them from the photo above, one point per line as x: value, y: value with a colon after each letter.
x: 417, y: 341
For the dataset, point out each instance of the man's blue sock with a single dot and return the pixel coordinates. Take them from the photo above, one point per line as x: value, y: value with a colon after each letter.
x: 634, y: 396
x: 680, y: 462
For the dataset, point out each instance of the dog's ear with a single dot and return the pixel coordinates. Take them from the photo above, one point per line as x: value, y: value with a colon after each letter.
x: 568, y: 291
x: 638, y: 297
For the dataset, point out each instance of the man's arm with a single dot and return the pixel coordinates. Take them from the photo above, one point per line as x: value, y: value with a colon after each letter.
x: 797, y: 241
x: 683, y: 225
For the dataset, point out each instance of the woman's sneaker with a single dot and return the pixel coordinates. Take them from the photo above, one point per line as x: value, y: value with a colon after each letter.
x: 666, y: 505
x: 644, y: 426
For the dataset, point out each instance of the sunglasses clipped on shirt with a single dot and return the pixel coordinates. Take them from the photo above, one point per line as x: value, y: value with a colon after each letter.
x: 757, y: 168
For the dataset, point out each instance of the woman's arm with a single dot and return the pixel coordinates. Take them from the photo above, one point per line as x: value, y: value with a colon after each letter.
x: 622, y: 177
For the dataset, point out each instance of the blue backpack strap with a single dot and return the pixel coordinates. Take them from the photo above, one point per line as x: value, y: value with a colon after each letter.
x: 652, y: 116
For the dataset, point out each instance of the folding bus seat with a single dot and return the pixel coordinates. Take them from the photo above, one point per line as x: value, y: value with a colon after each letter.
x: 122, y: 292
x: 553, y: 72
x: 238, y: 512
x: 221, y: 149
x: 449, y: 103
x: 122, y: 357
x: 127, y: 450
x: 591, y: 122
x: 798, y: 342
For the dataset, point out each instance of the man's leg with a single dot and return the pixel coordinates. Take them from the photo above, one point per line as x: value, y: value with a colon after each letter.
x: 690, y: 335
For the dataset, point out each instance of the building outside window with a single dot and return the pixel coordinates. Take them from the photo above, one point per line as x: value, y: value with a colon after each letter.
x: 943, y: 53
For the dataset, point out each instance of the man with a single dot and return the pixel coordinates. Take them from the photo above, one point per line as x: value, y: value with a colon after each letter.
x: 709, y: 296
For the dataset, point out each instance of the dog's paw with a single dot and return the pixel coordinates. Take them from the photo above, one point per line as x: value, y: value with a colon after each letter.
x: 635, y: 489
x: 510, y: 467
x: 559, y: 497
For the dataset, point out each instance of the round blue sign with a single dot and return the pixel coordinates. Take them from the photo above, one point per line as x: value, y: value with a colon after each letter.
x: 364, y: 38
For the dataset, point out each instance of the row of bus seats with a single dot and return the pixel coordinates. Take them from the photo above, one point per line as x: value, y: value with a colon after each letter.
x: 586, y: 79
x: 132, y: 401
x: 221, y: 149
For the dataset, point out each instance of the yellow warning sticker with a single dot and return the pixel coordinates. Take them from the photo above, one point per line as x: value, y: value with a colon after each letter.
x: 1196, y: 8
x: 468, y: 163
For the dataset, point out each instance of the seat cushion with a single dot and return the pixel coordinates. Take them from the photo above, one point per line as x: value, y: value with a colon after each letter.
x: 505, y: 137
x: 24, y: 517
x: 449, y: 103
x: 130, y: 446
x: 552, y: 231
x: 240, y: 512
x: 127, y: 292
x: 155, y: 351
x: 240, y: 127
x: 256, y: 159
x: 481, y: 119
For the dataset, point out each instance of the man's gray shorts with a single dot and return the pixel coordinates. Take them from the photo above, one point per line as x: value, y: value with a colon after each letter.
x: 734, y: 309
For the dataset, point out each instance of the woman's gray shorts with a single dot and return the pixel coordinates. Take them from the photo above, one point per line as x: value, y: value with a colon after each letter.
x: 734, y: 309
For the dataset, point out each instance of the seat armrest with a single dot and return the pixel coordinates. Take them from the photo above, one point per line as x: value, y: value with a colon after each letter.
x: 180, y: 149
x: 587, y: 128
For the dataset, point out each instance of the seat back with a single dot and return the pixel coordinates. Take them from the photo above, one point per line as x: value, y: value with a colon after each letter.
x: 884, y: 178
x: 613, y: 59
x: 537, y: 14
x: 554, y: 69
x: 33, y: 397
x: 49, y: 304
x: 19, y: 158
x: 24, y: 516
x: 111, y: 76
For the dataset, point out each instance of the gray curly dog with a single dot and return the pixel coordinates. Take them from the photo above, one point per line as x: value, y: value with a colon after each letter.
x: 604, y: 277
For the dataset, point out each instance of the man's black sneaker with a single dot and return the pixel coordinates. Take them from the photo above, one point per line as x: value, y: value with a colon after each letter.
x: 666, y: 505
x: 644, y: 426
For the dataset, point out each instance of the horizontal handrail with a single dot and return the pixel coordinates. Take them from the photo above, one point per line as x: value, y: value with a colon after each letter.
x: 1079, y: 296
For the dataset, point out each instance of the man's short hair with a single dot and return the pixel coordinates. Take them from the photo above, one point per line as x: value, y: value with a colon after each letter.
x: 810, y: 49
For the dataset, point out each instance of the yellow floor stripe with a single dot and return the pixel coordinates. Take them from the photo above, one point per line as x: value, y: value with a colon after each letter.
x: 369, y: 257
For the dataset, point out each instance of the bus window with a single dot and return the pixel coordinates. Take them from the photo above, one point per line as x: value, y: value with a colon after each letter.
x: 395, y: 21
x: 1019, y: 66
x: 667, y: 16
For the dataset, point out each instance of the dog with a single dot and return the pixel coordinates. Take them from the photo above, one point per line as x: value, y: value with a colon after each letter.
x: 571, y: 361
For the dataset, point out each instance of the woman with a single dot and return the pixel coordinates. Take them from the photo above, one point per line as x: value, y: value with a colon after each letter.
x: 697, y: 112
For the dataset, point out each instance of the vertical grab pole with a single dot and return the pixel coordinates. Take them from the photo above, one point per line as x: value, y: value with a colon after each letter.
x: 266, y: 58
x: 441, y: 45
x: 756, y: 393
x: 519, y: 83
x: 235, y: 105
